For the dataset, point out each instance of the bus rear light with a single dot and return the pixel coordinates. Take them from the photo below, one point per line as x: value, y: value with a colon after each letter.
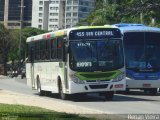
x: 118, y: 86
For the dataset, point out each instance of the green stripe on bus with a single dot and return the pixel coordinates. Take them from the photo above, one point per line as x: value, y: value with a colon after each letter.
x: 98, y: 75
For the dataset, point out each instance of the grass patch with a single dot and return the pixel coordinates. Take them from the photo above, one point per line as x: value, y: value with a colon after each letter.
x: 21, y: 112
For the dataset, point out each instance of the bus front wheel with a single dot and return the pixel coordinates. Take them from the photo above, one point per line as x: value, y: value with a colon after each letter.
x: 62, y: 95
x: 109, y: 95
x: 40, y: 91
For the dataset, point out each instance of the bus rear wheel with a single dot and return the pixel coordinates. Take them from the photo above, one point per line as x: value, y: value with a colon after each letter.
x: 153, y: 91
x: 62, y: 95
x: 40, y: 91
x: 109, y: 95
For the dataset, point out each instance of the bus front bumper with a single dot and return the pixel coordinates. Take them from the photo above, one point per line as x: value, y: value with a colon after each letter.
x: 130, y: 83
x: 96, y: 87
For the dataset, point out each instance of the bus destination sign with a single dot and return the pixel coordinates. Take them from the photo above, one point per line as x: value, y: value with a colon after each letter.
x: 94, y: 34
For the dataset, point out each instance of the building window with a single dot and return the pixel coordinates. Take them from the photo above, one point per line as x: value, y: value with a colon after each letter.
x: 51, y: 26
x: 68, y: 15
x: 53, y: 8
x: 40, y: 14
x: 53, y: 20
x: 40, y: 8
x: 52, y: 2
x: 68, y: 20
x: 68, y: 26
x: 69, y: 8
x: 75, y: 14
x: 53, y: 14
x: 40, y: 20
x: 40, y: 26
x: 40, y: 2
x: 75, y: 2
x: 69, y: 2
x: 75, y: 8
x: 84, y: 9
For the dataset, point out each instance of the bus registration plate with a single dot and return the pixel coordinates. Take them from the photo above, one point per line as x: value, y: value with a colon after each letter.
x: 146, y: 85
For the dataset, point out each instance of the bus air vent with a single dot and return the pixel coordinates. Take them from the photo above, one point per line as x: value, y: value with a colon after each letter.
x: 98, y: 86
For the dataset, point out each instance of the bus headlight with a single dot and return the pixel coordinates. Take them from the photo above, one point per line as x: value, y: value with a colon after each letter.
x: 119, y: 78
x: 75, y: 79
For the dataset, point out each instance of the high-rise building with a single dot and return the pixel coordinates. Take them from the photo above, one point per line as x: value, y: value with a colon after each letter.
x: 1, y: 10
x: 59, y: 14
x: 10, y: 12
x: 47, y: 14
x: 77, y: 10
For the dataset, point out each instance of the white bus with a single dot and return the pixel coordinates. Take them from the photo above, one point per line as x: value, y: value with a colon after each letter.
x: 86, y: 59
x: 142, y: 56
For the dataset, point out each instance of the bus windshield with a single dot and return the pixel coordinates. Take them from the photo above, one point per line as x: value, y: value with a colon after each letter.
x: 101, y: 55
x: 142, y: 51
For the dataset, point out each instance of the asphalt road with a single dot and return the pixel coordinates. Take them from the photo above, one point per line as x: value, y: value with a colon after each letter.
x: 136, y: 102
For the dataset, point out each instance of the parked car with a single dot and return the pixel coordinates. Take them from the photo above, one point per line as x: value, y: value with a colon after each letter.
x: 14, y: 73
x: 23, y: 72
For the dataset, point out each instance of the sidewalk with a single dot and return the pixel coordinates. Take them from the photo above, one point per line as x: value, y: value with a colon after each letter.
x: 8, y: 97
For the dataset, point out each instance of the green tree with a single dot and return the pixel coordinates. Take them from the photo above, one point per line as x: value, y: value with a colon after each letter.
x: 104, y: 15
x: 4, y: 45
x: 14, y: 49
x: 28, y: 32
x: 128, y: 11
x: 140, y: 11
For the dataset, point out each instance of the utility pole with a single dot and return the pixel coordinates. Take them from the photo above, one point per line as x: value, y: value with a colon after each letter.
x: 21, y: 25
x: 6, y: 6
x: 141, y: 14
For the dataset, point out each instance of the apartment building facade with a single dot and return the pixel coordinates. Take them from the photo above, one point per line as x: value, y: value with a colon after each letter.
x: 77, y: 10
x: 47, y: 14
x: 10, y: 12
x: 58, y: 14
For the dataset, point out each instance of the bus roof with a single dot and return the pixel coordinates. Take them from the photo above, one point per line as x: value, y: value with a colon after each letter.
x: 47, y: 35
x: 124, y: 27
x: 63, y: 32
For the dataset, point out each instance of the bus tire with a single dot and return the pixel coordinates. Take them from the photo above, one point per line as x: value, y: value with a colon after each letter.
x: 126, y: 92
x: 153, y: 91
x: 109, y: 95
x: 40, y: 91
x: 62, y: 95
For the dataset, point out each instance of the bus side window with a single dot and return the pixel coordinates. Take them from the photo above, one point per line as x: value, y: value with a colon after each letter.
x: 37, y: 50
x: 30, y: 52
x: 42, y: 49
x: 60, y: 48
x: 47, y: 50
x: 32, y: 55
x: 54, y: 49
